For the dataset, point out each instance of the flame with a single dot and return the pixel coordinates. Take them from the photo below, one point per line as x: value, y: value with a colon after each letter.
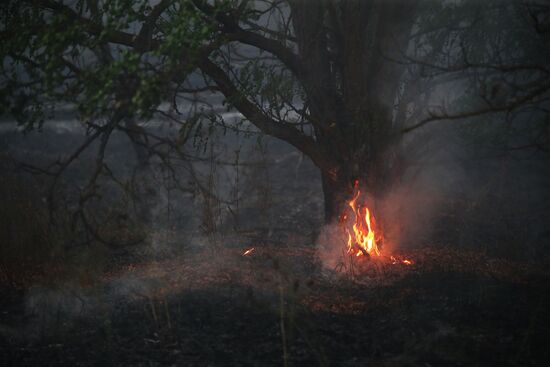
x: 361, y: 233
x: 394, y: 261
x: 363, y: 237
x: 249, y: 251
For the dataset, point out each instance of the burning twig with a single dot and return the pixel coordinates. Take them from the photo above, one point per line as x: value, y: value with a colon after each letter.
x: 248, y: 252
x: 360, y: 228
x: 395, y: 261
x: 362, y: 250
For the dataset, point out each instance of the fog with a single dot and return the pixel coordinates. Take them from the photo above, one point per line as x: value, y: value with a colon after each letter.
x: 178, y: 183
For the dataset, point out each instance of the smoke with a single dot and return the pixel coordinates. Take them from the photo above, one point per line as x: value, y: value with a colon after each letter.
x: 436, y: 186
x: 180, y: 244
x: 410, y: 211
x: 465, y: 188
x: 409, y: 214
x: 331, y: 246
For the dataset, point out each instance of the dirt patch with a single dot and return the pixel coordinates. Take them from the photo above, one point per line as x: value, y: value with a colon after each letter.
x: 448, y: 308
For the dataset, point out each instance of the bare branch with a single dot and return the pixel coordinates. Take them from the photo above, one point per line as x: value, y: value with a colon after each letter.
x: 267, y: 125
x: 508, y: 107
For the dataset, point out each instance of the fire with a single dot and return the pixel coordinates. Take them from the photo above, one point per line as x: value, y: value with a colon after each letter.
x: 395, y: 261
x: 249, y: 251
x: 362, y: 236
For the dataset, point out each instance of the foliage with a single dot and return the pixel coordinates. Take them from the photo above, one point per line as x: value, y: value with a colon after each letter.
x: 340, y: 81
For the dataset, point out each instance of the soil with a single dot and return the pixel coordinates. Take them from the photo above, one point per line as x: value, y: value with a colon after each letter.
x: 279, y: 306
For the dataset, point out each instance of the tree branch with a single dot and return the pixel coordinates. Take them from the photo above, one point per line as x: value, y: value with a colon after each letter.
x: 234, y: 32
x: 517, y: 103
x: 267, y: 125
x: 93, y: 28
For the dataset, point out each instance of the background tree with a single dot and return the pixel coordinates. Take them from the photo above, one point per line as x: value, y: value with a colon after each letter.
x: 340, y: 80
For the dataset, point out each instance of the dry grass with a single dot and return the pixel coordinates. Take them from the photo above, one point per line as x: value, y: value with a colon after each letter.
x: 270, y: 268
x: 41, y: 247
x: 310, y: 310
x: 30, y: 246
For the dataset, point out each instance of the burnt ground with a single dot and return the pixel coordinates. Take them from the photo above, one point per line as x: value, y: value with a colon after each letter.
x: 200, y: 302
x: 450, y: 308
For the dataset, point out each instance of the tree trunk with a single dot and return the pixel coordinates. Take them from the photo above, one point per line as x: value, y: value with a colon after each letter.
x: 337, y: 191
x: 351, y: 91
x: 331, y: 197
x: 145, y: 193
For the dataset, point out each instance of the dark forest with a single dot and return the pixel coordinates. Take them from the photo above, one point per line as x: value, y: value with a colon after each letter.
x: 275, y: 183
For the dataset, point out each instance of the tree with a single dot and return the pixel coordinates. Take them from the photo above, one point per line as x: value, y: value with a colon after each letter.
x: 333, y: 78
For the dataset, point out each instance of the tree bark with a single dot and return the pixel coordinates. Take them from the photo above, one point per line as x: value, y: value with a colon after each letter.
x: 358, y: 82
x: 343, y: 62
x: 145, y: 194
x: 334, y: 198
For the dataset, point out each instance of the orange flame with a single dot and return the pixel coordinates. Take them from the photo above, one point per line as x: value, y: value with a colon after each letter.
x: 362, y: 238
x: 404, y: 261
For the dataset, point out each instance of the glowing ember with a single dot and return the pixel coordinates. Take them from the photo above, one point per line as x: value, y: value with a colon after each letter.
x: 404, y: 261
x: 248, y: 252
x: 362, y: 240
